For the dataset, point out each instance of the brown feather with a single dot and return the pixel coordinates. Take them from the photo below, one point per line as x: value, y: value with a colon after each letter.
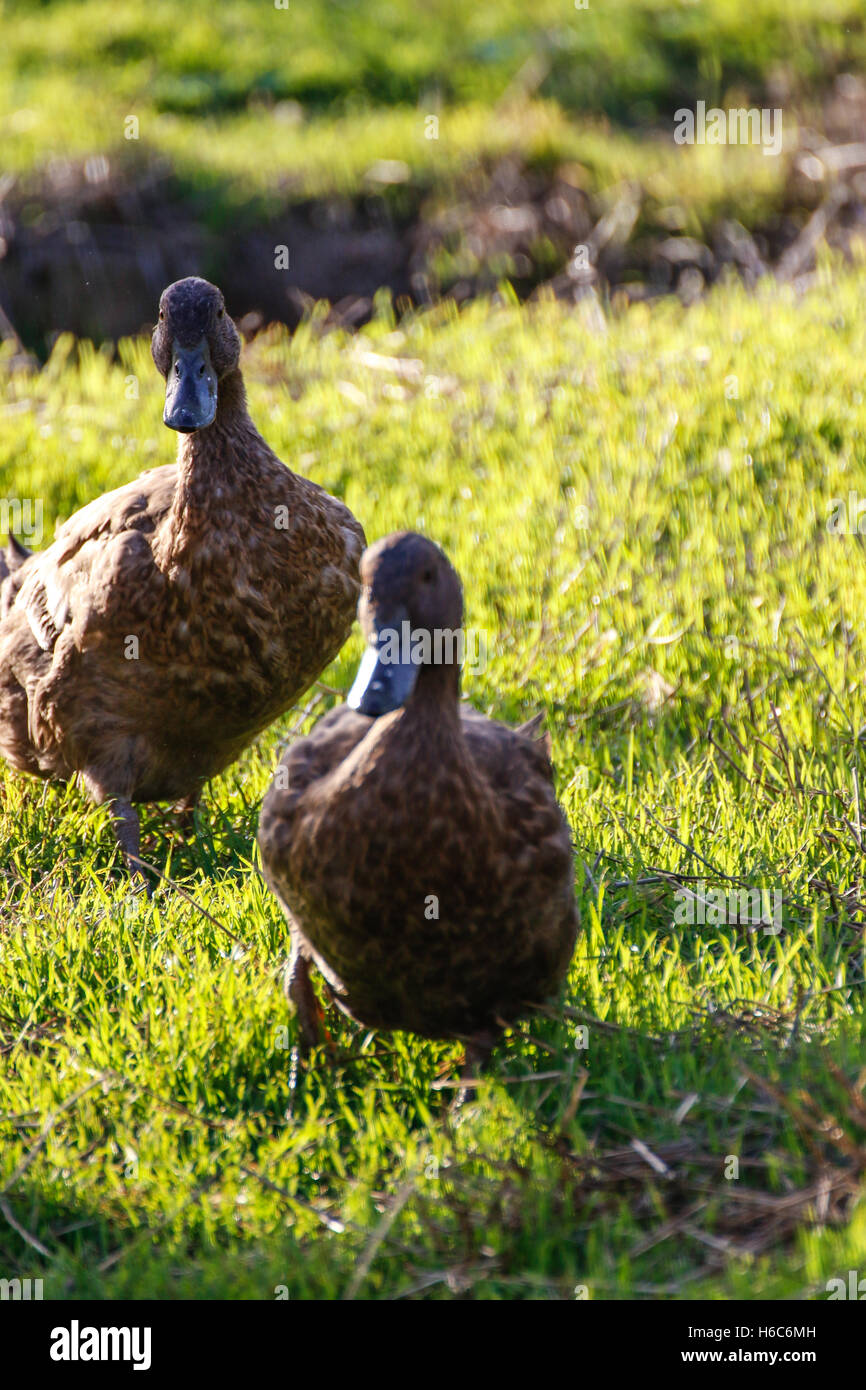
x: 233, y: 616
x: 369, y: 822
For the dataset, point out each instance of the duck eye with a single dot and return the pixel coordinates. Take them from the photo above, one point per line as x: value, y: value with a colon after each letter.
x: 161, y: 314
x: 427, y: 576
x: 220, y: 313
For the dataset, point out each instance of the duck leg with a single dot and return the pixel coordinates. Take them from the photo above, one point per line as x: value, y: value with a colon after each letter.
x: 127, y: 830
x: 299, y: 988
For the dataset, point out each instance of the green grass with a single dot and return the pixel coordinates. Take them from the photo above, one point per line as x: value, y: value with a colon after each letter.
x: 638, y: 507
x: 247, y: 100
x: 625, y: 58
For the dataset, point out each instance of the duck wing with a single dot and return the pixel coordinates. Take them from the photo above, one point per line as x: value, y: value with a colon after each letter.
x: 536, y: 838
x: 535, y: 850
x: 98, y: 561
x: 512, y: 759
x: 304, y: 764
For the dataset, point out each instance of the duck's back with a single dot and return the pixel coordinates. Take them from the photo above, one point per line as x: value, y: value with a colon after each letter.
x: 434, y: 895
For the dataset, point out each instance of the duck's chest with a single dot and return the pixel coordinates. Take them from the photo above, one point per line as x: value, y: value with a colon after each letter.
x: 401, y: 904
x: 248, y: 630
x: 408, y: 817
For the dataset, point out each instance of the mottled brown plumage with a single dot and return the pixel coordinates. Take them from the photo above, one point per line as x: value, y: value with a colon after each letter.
x: 173, y: 619
x: 420, y: 856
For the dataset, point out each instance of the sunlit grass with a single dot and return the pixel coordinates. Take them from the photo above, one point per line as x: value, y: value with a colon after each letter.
x: 639, y: 511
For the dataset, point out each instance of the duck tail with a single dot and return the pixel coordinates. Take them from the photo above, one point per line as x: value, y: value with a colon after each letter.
x: 14, y: 557
x: 532, y: 729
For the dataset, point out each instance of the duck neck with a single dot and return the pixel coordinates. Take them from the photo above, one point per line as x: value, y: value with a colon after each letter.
x: 220, y: 454
x: 219, y: 469
x: 436, y: 696
x: 428, y: 737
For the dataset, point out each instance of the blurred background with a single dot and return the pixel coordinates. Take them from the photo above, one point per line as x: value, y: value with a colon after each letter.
x: 306, y: 151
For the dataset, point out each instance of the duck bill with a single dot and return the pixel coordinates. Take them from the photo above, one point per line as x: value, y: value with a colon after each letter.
x: 191, y: 389
x: 387, y: 674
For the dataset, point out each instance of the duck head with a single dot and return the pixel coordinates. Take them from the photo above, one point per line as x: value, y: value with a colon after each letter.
x: 194, y: 345
x: 411, y: 613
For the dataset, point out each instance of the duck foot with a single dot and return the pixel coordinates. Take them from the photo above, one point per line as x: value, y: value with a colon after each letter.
x: 299, y: 988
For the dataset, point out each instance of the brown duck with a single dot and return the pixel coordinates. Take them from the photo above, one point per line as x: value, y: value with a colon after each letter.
x: 416, y: 847
x: 173, y: 619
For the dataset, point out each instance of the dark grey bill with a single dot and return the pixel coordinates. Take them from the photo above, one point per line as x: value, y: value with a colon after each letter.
x: 382, y: 685
x: 191, y: 389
